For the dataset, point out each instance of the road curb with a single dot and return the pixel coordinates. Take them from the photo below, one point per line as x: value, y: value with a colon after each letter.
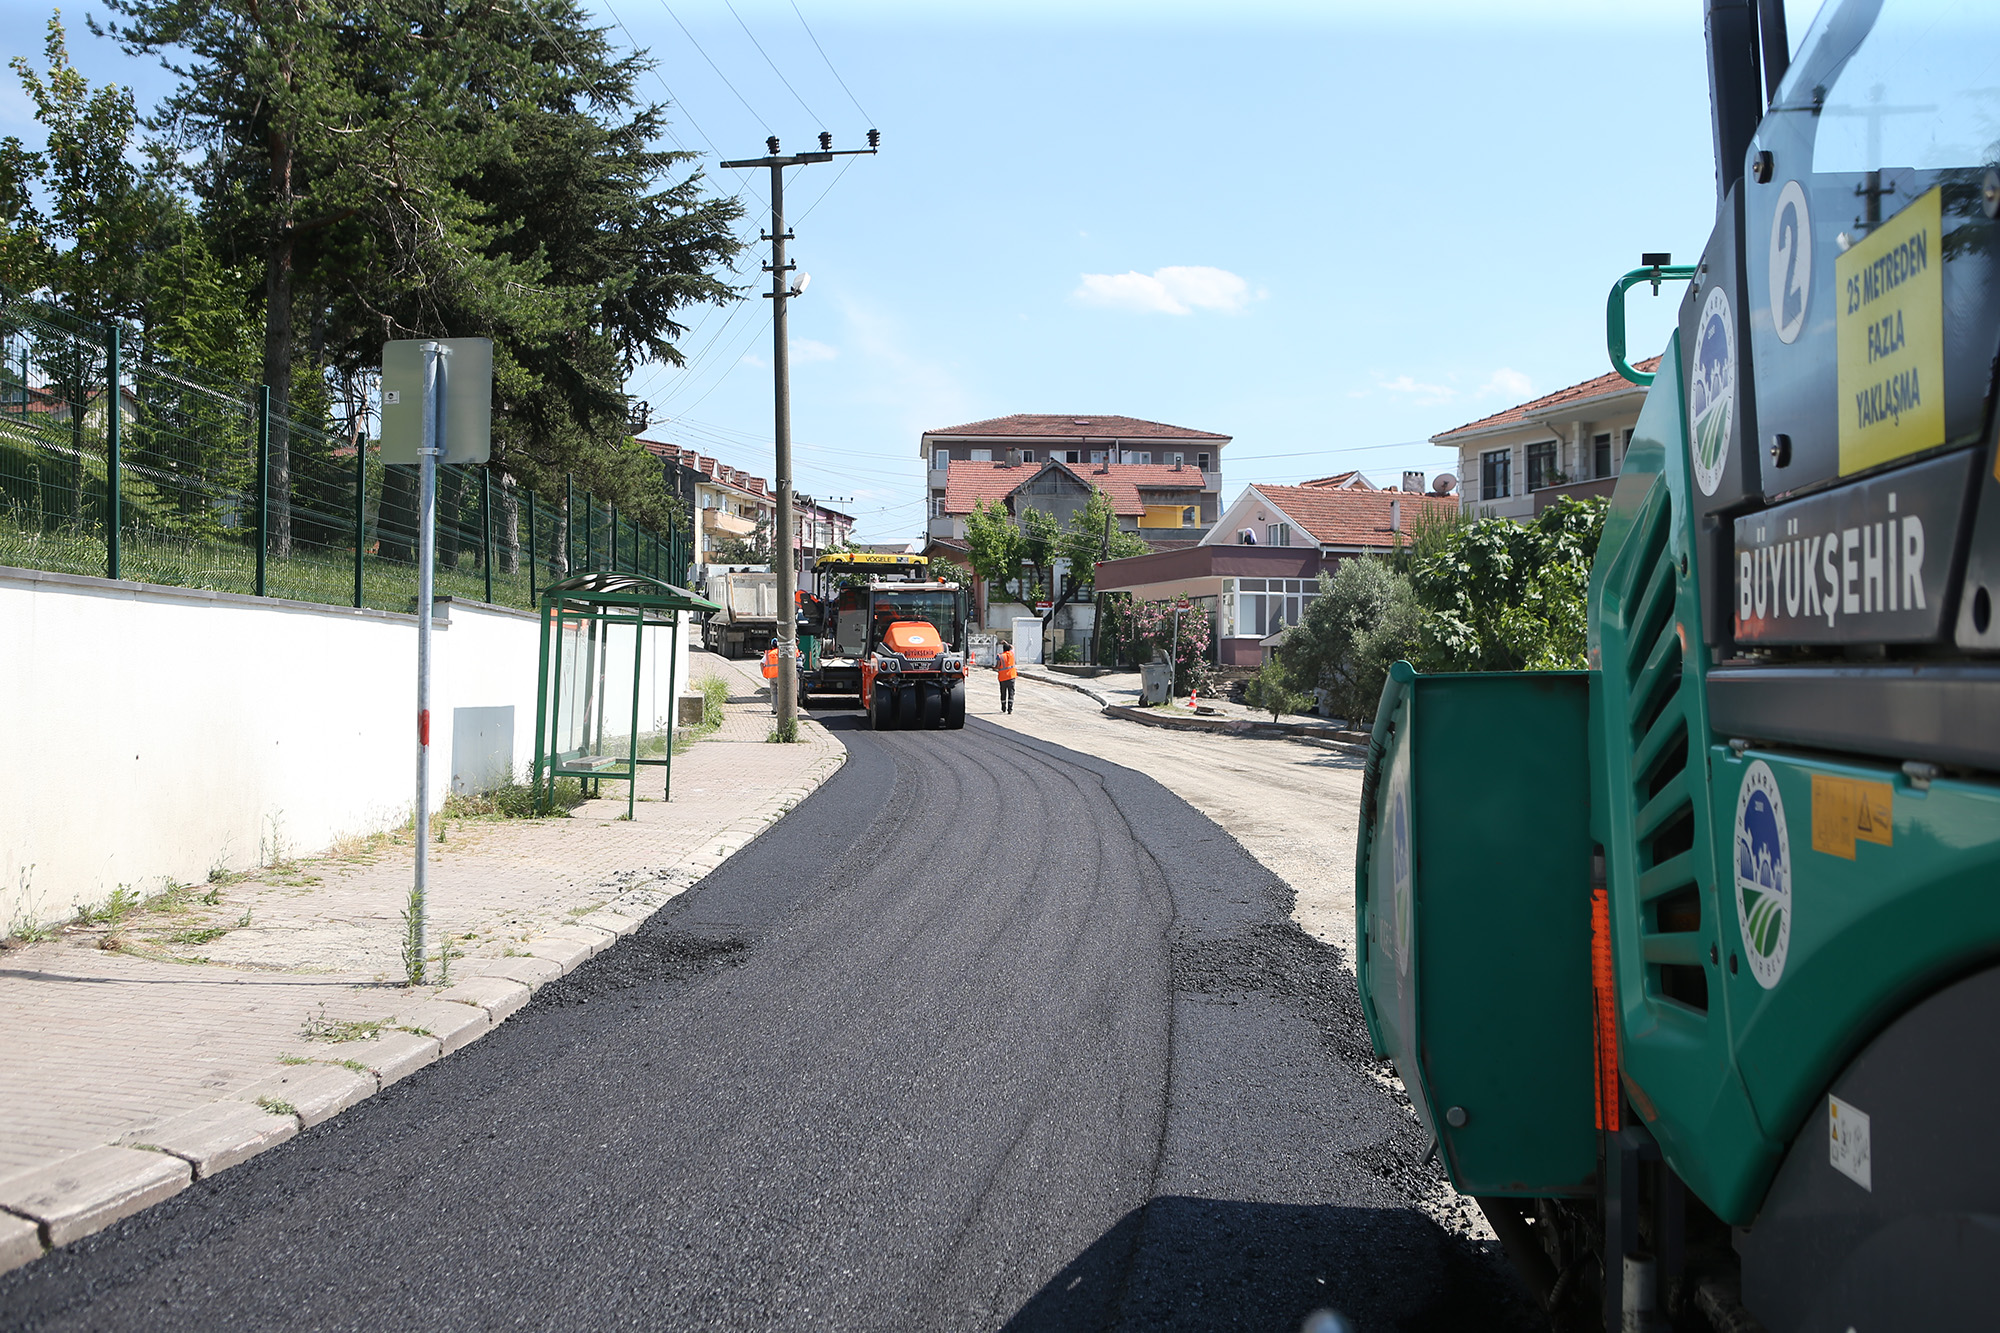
x: 1067, y: 684
x: 49, y: 1206
x: 1328, y: 737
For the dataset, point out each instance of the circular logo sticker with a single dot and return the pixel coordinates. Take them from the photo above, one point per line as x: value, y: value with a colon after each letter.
x: 1791, y: 263
x: 1712, y: 389
x: 1399, y: 872
x: 1763, y: 874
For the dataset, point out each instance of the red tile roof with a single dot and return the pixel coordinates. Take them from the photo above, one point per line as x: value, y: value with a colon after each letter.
x: 1075, y: 426
x: 709, y: 467
x: 1352, y: 518
x: 1601, y: 387
x: 969, y: 483
x: 1343, y: 481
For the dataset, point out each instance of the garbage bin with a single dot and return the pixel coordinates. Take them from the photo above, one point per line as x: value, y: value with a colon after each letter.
x: 1156, y: 682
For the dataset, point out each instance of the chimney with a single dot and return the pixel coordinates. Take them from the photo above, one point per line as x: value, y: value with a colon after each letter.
x: 1413, y: 482
x: 1395, y: 515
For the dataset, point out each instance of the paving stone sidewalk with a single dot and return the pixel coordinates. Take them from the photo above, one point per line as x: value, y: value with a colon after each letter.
x: 138, y: 1055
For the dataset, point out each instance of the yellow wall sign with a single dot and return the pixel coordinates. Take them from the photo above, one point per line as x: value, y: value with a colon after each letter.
x: 1890, y: 334
x: 1850, y: 810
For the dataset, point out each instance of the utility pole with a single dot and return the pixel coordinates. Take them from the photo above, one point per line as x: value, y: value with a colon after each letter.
x: 781, y: 375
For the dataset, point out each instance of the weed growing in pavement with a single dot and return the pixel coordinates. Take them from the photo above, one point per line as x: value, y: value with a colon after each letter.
x: 785, y: 733
x: 115, y: 909
x: 243, y: 920
x: 277, y: 1106
x: 318, y: 1027
x: 514, y: 799
x: 27, y: 927
x: 289, y: 1059
x: 199, y: 935
x: 355, y: 1065
x: 415, y: 1031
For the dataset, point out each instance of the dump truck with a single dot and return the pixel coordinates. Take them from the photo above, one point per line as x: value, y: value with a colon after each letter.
x: 1664, y: 949
x: 876, y: 630
x: 748, y: 620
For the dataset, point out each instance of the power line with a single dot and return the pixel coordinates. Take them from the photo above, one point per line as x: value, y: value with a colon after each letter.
x: 717, y: 68
x: 829, y: 64
x: 772, y: 63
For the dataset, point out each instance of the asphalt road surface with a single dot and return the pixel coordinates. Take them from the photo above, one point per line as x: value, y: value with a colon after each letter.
x: 986, y: 1034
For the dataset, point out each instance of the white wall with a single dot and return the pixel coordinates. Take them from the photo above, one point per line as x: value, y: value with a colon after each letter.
x: 153, y: 734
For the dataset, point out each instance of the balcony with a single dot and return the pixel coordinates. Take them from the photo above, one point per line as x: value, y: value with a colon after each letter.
x: 1581, y: 490
x: 725, y: 524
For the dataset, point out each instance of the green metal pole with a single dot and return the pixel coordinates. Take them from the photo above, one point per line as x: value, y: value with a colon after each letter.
x: 263, y: 482
x: 531, y: 549
x: 632, y: 744
x: 589, y: 532
x: 113, y: 463
x: 612, y: 529
x: 486, y: 529
x: 541, y: 720
x: 674, y: 705
x: 360, y: 510
x: 569, y: 522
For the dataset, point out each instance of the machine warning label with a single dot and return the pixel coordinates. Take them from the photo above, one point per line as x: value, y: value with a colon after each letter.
x: 1850, y: 810
x: 1847, y: 1143
x: 1889, y: 332
x: 1712, y: 389
x: 1763, y: 874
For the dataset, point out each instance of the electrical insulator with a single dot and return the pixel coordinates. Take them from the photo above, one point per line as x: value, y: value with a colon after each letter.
x: 874, y: 138
x: 772, y: 144
x: 825, y: 142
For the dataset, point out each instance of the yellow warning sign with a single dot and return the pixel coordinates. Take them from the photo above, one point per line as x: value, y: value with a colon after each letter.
x: 1889, y: 333
x: 1850, y: 810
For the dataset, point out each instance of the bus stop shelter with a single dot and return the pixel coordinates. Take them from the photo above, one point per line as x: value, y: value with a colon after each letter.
x: 591, y: 722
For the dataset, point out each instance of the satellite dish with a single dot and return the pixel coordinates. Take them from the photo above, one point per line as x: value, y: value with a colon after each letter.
x: 1444, y: 483
x: 800, y: 284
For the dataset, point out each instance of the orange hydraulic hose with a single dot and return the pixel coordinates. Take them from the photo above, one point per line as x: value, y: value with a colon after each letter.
x: 1605, y: 1030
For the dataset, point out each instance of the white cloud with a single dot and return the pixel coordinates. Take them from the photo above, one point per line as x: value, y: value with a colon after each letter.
x: 1511, y: 383
x: 1174, y: 290
x: 1418, y: 390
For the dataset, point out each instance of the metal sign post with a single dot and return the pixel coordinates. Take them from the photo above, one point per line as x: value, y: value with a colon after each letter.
x: 437, y: 397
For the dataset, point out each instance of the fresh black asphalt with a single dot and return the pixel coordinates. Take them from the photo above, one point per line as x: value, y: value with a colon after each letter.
x: 985, y: 1034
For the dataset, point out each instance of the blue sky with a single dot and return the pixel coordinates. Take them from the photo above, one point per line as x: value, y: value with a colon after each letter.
x: 1324, y: 229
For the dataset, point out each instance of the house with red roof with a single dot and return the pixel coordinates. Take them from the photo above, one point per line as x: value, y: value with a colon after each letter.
x: 1258, y: 567
x: 728, y: 503
x: 1571, y: 442
x: 1165, y: 481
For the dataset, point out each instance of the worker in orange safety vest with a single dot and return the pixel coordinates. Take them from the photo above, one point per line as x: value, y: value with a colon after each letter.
x: 771, y: 672
x: 1005, y: 666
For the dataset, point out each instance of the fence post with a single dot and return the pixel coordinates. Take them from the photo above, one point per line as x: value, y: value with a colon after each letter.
x: 486, y: 529
x: 569, y: 522
x: 263, y: 482
x: 612, y: 529
x: 589, y: 533
x: 360, y: 509
x: 532, y: 599
x: 113, y: 464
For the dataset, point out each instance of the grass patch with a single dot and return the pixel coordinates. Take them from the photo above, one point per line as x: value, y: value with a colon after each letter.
x: 289, y: 1059
x: 277, y: 1106
x: 514, y: 800
x: 199, y: 935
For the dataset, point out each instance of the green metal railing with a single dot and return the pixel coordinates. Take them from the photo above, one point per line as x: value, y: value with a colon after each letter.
x: 195, y: 481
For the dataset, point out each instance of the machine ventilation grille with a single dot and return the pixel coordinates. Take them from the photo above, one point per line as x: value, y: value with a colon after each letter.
x: 1663, y: 817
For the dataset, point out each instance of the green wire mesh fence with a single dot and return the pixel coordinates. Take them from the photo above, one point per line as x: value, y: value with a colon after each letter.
x: 193, y: 481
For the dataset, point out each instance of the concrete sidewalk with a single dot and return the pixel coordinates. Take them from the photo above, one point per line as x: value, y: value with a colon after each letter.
x: 138, y: 1054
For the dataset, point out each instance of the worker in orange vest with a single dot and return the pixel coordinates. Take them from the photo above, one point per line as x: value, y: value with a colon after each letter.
x: 771, y: 672
x: 1006, y: 668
